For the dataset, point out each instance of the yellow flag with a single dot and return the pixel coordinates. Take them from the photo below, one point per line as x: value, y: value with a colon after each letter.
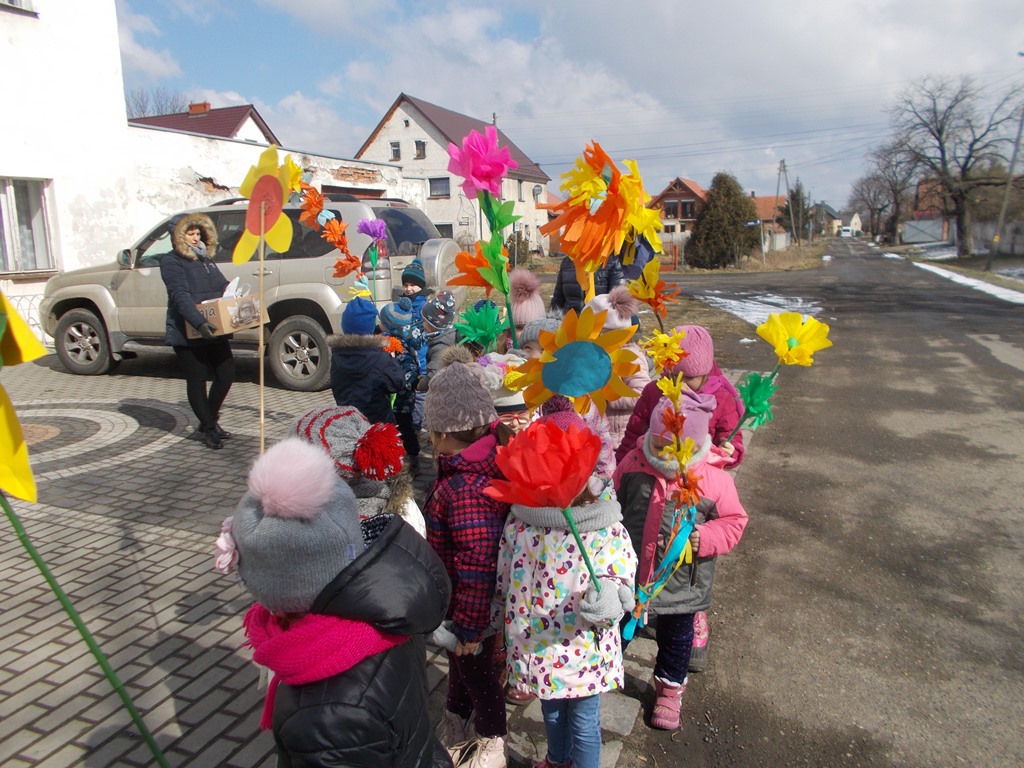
x: 18, y: 344
x: 15, y: 471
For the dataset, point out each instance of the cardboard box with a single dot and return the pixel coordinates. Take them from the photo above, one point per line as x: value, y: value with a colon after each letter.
x: 230, y: 315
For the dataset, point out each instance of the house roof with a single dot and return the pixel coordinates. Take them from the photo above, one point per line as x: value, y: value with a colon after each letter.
x: 828, y: 210
x: 224, y: 122
x: 678, y: 185
x: 768, y: 206
x: 454, y: 126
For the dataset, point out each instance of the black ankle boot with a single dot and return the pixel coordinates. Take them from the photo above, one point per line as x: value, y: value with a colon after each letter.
x: 222, y: 433
x: 212, y: 439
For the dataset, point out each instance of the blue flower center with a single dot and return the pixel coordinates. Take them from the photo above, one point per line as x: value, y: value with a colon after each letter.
x: 579, y: 368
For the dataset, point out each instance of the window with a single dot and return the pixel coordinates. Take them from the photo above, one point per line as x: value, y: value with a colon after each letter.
x: 445, y: 230
x: 24, y: 231
x: 670, y: 228
x: 440, y: 187
x: 689, y: 209
x: 421, y: 150
x: 396, y: 150
x: 521, y: 198
x: 671, y: 209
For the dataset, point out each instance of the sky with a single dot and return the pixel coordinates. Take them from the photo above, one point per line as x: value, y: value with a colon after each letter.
x: 684, y: 88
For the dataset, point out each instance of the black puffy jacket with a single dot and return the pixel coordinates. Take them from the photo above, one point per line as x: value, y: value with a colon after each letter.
x: 190, y: 279
x: 568, y: 293
x: 375, y: 714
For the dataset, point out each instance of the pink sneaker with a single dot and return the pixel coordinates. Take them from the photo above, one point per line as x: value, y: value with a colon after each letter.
x: 699, y: 650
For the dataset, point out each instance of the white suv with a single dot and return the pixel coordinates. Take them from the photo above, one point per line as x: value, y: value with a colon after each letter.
x: 97, y: 314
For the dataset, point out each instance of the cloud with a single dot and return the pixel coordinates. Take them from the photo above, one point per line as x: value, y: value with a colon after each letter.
x: 307, y: 123
x: 139, y: 62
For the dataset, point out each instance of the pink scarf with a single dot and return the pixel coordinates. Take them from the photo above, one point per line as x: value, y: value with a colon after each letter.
x: 312, y: 648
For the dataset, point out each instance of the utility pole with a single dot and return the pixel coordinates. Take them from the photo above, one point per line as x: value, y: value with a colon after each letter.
x: 789, y: 202
x: 1006, y: 195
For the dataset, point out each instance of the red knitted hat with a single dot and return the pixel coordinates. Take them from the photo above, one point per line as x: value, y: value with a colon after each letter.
x: 359, y: 449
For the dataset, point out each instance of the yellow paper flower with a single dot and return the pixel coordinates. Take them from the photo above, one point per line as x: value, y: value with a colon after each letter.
x: 580, y: 362
x: 795, y: 340
x: 267, y: 186
x: 672, y: 387
x: 514, y: 380
x: 17, y: 345
x: 680, y: 452
x: 664, y: 349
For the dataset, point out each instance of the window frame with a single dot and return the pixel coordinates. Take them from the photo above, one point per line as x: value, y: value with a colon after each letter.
x: 420, y: 149
x: 438, y: 195
x: 11, y: 245
x: 396, y: 151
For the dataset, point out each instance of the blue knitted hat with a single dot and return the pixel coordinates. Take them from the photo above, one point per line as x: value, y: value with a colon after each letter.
x: 397, y: 315
x: 359, y: 317
x: 413, y: 274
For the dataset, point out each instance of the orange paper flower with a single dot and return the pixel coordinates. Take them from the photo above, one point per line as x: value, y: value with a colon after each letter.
x: 470, y: 266
x: 334, y: 233
x: 346, y: 265
x: 393, y: 346
x: 652, y: 290
x: 312, y: 205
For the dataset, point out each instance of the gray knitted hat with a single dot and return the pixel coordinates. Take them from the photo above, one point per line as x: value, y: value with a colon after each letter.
x: 552, y: 321
x: 457, y: 400
x: 296, y: 528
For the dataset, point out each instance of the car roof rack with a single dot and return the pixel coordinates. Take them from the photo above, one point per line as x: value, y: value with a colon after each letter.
x: 341, y: 197
x: 389, y: 200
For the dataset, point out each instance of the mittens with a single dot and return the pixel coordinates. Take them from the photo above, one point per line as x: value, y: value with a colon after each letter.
x: 606, y: 606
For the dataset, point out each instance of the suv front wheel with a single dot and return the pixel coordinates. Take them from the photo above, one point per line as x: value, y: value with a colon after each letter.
x: 298, y: 354
x: 82, y: 344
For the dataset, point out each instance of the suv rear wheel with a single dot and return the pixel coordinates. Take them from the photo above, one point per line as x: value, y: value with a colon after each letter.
x: 82, y: 344
x: 298, y: 354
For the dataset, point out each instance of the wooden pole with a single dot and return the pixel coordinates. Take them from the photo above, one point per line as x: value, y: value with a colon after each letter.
x: 259, y: 346
x: 1006, y: 195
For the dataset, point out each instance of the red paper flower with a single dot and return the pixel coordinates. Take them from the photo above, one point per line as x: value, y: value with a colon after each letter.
x: 544, y: 466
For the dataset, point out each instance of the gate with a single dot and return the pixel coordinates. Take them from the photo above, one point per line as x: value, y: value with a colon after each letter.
x: 923, y: 231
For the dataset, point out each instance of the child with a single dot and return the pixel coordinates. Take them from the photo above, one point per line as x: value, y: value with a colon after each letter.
x: 363, y: 375
x: 345, y: 647
x: 645, y: 482
x: 367, y: 457
x: 525, y: 299
x: 621, y: 309
x: 464, y: 526
x: 562, y: 635
x: 701, y: 374
x: 529, y: 339
x: 396, y: 320
x: 414, y: 283
x: 438, y: 318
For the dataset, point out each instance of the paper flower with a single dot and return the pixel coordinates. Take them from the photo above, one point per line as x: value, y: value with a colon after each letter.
x: 665, y: 349
x: 756, y: 391
x: 312, y: 206
x: 359, y: 288
x: 581, y: 362
x: 267, y: 186
x: 795, y: 339
x: 476, y: 269
x: 481, y: 325
x: 544, y: 466
x: 375, y: 228
x: 346, y: 265
x: 480, y: 162
x: 652, y: 290
x: 393, y: 345
x: 17, y: 345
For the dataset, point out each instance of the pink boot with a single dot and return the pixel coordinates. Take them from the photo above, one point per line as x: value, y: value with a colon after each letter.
x: 668, y: 700
x: 699, y: 649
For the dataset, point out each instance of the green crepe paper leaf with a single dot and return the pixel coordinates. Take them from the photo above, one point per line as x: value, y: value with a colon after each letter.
x: 496, y: 271
x: 756, y: 391
x: 481, y: 326
x: 503, y: 216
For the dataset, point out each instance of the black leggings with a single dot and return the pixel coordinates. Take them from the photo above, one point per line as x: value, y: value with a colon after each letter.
x: 199, y: 362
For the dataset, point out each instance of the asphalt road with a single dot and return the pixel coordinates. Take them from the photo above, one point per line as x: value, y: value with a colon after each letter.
x: 872, y: 613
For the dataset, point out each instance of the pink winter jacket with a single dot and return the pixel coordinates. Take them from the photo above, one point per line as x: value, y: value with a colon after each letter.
x: 727, y: 414
x: 619, y: 411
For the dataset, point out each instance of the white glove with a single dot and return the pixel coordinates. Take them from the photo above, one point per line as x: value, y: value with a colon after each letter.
x: 606, y: 606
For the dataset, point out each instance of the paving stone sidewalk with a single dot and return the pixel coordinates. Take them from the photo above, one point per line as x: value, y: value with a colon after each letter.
x: 130, y: 504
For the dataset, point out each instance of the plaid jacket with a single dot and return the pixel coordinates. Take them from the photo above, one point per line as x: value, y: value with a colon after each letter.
x: 464, y: 527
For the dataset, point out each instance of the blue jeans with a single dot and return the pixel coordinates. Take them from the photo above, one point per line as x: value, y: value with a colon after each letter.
x: 573, y: 727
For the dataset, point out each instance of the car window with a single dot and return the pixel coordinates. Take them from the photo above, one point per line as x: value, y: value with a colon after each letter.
x: 307, y: 244
x: 408, y: 228
x: 153, y: 248
x: 230, y: 226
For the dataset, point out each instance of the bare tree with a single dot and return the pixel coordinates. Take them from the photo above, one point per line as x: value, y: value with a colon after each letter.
x: 871, y: 196
x: 143, y: 102
x: 944, y: 129
x: 896, y: 169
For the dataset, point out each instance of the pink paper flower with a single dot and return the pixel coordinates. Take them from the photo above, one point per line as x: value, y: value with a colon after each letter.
x: 226, y: 553
x: 480, y: 162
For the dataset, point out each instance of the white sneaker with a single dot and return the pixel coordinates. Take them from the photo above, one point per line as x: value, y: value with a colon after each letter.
x: 458, y: 736
x: 490, y: 753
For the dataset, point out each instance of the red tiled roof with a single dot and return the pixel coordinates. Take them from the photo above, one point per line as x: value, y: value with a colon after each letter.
x: 222, y: 121
x: 677, y: 185
x: 768, y: 206
x: 454, y: 126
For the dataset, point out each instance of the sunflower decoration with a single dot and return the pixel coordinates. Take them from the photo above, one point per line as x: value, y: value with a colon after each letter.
x: 267, y: 185
x: 653, y: 291
x: 604, y: 213
x: 580, y: 362
x: 795, y: 340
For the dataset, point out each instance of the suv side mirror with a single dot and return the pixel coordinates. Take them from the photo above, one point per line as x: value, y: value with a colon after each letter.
x: 124, y: 258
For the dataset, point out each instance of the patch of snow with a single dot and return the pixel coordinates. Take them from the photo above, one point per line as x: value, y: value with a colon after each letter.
x: 890, y: 255
x: 826, y: 257
x: 755, y: 307
x: 745, y: 340
x: 1016, y: 273
x: 1006, y: 294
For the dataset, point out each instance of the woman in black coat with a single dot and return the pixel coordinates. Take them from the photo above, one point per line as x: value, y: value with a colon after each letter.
x: 191, y: 277
x: 568, y: 293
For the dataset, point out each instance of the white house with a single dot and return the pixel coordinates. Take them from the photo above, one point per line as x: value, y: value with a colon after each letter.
x: 73, y: 197
x: 415, y: 134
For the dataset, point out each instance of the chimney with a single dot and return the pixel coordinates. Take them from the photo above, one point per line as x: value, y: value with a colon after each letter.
x: 198, y: 108
x: 752, y: 193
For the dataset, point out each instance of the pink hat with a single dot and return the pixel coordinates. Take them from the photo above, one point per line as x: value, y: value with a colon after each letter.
x: 700, y: 351
x: 619, y: 304
x: 524, y: 295
x: 560, y: 412
x: 697, y: 410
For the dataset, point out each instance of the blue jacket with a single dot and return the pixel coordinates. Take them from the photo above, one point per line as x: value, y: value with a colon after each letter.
x: 190, y: 279
x: 364, y: 376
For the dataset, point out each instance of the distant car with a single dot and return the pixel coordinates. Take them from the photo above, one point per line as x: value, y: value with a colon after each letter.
x: 96, y: 314
x: 845, y: 232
